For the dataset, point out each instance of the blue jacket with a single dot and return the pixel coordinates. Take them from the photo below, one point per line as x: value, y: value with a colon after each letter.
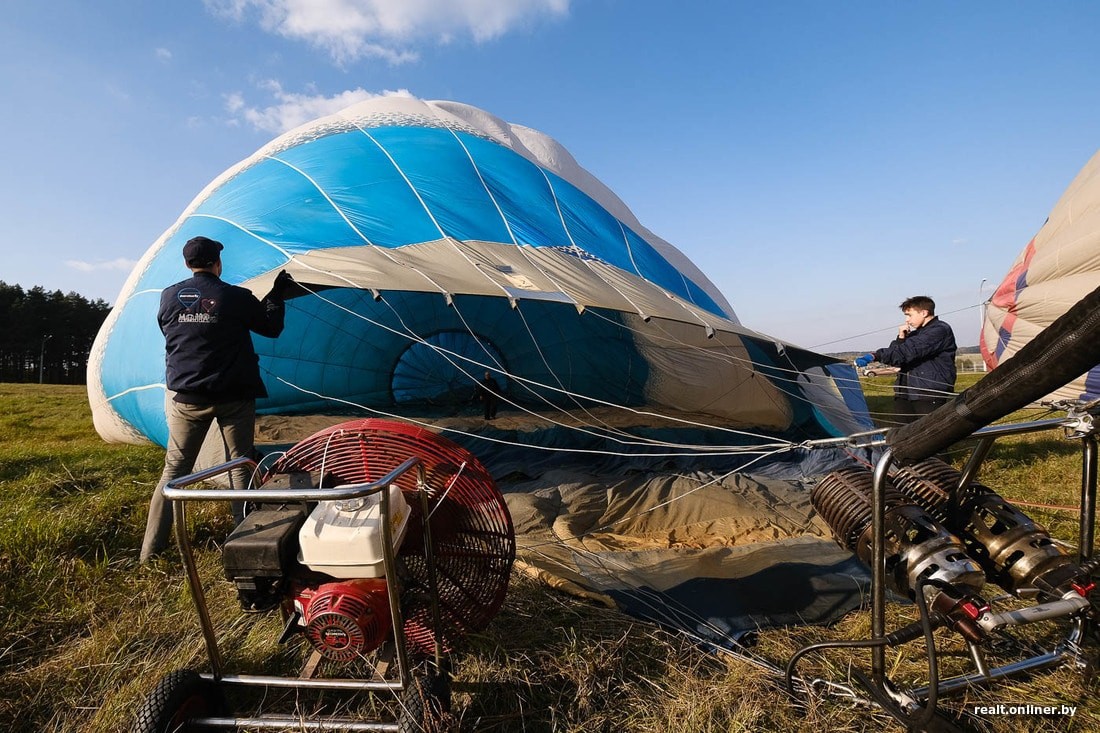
x: 209, y: 357
x: 927, y: 361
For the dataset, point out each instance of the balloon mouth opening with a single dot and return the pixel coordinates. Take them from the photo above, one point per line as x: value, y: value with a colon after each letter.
x: 444, y: 368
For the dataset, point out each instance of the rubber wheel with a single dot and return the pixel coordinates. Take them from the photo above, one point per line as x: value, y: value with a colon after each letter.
x: 426, y: 705
x: 179, y: 696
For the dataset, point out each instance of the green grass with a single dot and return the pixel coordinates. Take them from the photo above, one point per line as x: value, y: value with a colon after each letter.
x: 86, y: 632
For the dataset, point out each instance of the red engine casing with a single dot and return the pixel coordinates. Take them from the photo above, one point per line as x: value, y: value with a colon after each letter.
x: 346, y: 619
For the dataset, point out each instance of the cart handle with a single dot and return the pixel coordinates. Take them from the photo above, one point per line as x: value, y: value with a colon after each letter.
x: 174, y: 490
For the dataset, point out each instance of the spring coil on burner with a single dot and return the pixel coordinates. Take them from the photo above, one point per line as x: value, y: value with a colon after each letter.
x: 1015, y: 552
x: 917, y: 546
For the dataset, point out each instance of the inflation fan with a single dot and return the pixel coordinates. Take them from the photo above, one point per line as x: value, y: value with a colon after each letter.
x: 380, y: 544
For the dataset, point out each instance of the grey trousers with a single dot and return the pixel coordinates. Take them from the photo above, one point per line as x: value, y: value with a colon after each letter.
x: 188, y: 426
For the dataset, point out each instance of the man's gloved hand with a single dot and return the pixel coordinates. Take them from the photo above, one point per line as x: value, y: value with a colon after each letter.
x: 285, y: 286
x: 864, y: 360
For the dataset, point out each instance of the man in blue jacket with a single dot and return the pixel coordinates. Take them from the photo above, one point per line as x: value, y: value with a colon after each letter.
x: 925, y: 352
x: 212, y: 368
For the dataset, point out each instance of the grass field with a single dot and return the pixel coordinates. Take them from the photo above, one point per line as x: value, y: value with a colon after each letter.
x: 85, y: 631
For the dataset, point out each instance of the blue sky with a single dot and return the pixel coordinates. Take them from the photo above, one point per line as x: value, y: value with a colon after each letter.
x: 820, y: 161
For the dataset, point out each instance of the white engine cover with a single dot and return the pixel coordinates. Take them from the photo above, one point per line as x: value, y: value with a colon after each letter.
x: 344, y: 538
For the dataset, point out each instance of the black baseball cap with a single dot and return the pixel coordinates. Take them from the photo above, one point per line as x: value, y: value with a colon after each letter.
x: 202, y: 251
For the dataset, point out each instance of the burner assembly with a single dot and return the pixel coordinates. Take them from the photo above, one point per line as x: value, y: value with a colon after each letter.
x: 969, y: 559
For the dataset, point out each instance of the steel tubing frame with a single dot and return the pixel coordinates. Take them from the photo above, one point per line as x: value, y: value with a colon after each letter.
x: 986, y: 436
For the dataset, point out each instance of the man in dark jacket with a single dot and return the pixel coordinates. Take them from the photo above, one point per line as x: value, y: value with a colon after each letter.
x: 488, y: 392
x: 925, y: 352
x: 212, y: 368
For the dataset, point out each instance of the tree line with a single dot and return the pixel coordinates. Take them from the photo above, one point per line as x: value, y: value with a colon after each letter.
x: 47, y: 335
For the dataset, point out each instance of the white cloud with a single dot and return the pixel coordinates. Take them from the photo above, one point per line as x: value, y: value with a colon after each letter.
x: 121, y: 264
x: 349, y: 30
x: 291, y: 110
x: 163, y: 55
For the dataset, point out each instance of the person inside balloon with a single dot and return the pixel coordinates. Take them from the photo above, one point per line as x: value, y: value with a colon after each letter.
x: 212, y: 370
x: 488, y: 393
x: 924, y: 351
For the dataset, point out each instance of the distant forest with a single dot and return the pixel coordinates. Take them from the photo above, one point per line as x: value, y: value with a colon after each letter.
x: 48, y: 335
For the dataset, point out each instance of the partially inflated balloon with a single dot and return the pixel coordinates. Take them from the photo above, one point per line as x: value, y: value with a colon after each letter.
x: 435, y: 242
x: 1056, y: 269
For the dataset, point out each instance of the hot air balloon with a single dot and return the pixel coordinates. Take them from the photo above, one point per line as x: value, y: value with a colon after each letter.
x: 435, y: 242
x: 1057, y: 268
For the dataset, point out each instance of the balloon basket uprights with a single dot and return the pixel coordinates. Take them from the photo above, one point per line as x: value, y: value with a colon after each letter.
x: 392, y: 618
x: 934, y: 534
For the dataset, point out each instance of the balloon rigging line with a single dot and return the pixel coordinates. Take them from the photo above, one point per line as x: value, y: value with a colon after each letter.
x: 583, y: 255
x: 561, y: 218
x: 446, y: 354
x: 723, y: 355
x: 437, y: 349
x: 726, y: 357
x: 502, y: 370
x: 481, y: 178
x: 450, y: 485
x: 659, y: 603
x: 729, y: 451
x: 749, y: 368
x: 409, y: 333
x: 891, y: 328
x: 635, y: 440
x: 747, y: 365
x: 400, y: 172
x: 142, y: 388
x: 603, y: 424
x: 710, y: 330
x: 588, y: 264
x: 246, y: 230
x: 336, y: 207
x: 575, y: 395
x: 662, y: 607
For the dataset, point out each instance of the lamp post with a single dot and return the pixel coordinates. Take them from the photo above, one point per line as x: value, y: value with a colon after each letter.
x: 981, y: 316
x: 42, y: 358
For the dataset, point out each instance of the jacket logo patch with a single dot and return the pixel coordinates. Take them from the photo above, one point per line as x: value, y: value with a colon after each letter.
x: 188, y: 297
x: 209, y: 304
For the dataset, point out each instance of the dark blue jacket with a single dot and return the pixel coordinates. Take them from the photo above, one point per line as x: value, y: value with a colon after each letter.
x: 209, y: 357
x: 927, y: 361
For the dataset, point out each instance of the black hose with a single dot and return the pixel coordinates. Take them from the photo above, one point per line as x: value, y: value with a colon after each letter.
x: 856, y: 643
x: 1061, y: 352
